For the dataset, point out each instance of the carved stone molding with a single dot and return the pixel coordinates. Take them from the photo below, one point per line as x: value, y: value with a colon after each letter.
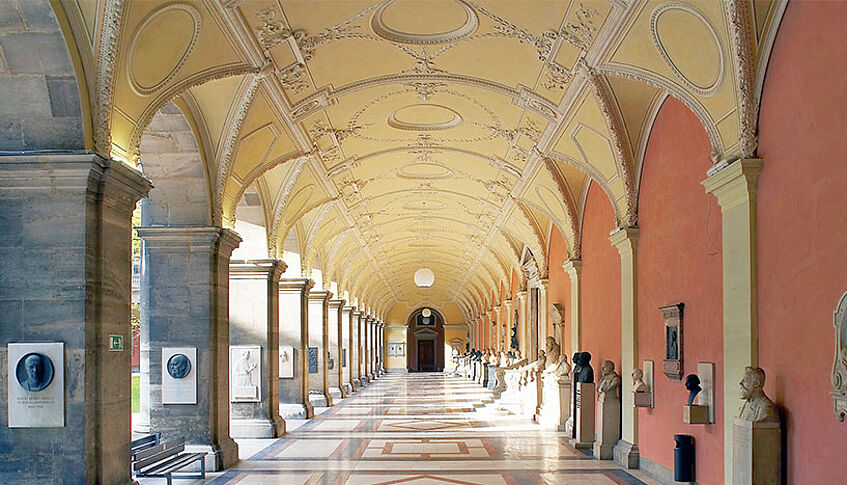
x: 106, y: 60
x: 839, y: 367
x: 744, y: 59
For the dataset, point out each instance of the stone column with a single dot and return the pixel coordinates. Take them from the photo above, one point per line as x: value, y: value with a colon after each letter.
x: 735, y: 188
x: 507, y: 325
x: 318, y: 342
x: 381, y: 348
x: 334, y: 350
x: 523, y: 335
x: 65, y: 225
x: 185, y: 303
x: 366, y: 376
x: 356, y: 348
x: 626, y: 241
x: 254, y: 320
x: 347, y: 386
x: 543, y: 290
x: 371, y: 347
x: 294, y: 335
x: 574, y: 270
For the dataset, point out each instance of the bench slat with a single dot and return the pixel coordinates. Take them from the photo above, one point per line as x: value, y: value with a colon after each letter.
x: 174, y: 464
x: 157, y: 457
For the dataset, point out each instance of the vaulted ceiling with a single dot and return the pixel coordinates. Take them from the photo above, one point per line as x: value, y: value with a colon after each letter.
x: 399, y: 134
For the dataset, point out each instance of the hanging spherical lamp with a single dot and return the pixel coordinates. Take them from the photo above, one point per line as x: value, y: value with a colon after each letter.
x: 424, y: 277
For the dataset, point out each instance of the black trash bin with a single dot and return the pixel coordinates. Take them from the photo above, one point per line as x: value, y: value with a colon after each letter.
x: 683, y: 458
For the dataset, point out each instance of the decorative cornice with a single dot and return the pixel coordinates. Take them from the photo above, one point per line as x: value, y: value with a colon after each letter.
x: 744, y: 59
x: 107, y: 58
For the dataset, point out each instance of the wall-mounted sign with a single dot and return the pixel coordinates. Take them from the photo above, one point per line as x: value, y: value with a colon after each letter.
x: 116, y: 343
x: 36, y: 385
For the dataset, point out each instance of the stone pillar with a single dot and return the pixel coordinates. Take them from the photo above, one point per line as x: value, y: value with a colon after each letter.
x: 294, y: 335
x: 372, y: 348
x: 574, y: 270
x: 626, y: 241
x: 356, y: 348
x: 346, y: 338
x: 254, y: 320
x: 334, y: 350
x: 381, y: 353
x: 185, y: 303
x: 366, y: 377
x: 735, y: 187
x: 507, y: 325
x: 543, y: 290
x: 65, y: 225
x: 318, y: 348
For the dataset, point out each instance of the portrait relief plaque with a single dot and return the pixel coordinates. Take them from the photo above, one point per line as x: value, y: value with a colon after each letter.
x: 245, y: 373
x: 179, y: 375
x: 286, y: 362
x: 36, y: 379
x: 673, y: 340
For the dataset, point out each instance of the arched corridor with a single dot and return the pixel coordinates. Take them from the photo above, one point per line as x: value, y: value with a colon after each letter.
x: 427, y: 428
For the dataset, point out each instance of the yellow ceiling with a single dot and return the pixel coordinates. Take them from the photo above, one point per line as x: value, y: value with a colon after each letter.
x: 391, y: 135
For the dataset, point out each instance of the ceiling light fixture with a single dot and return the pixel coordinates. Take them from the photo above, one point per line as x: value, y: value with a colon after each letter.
x: 424, y: 277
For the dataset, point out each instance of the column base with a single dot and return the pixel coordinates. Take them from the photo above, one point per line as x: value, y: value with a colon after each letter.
x: 293, y: 411
x: 219, y: 457
x: 257, y: 428
x: 335, y: 394
x: 318, y: 399
x: 626, y: 454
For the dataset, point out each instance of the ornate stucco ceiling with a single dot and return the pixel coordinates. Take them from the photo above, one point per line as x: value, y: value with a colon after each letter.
x: 391, y: 135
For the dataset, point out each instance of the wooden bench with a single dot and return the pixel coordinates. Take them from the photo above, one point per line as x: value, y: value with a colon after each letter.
x: 163, y: 459
x: 145, y: 442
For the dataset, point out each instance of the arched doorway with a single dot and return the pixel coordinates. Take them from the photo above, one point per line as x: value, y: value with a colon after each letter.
x: 425, y: 341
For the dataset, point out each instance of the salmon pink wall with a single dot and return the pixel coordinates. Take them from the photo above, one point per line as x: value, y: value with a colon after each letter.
x: 560, y: 285
x: 601, y: 282
x: 679, y: 260
x: 803, y: 231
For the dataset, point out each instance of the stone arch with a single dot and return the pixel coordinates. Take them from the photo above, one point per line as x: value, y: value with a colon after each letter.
x: 43, y: 98
x: 419, y: 332
x: 171, y: 158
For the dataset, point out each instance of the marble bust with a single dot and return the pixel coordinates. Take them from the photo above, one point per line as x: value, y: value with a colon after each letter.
x: 34, y: 372
x: 504, y: 360
x: 638, y: 384
x: 179, y: 366
x: 692, y: 383
x: 757, y: 406
x: 552, y: 351
x: 561, y: 367
x: 610, y: 381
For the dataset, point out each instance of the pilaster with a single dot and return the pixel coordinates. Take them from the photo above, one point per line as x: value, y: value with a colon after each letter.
x: 347, y: 339
x: 735, y: 187
x: 523, y: 332
x: 356, y: 348
x: 625, y: 240
x: 185, y: 286
x: 294, y: 331
x: 336, y: 384
x: 65, y: 266
x: 543, y: 292
x: 574, y: 269
x: 319, y: 339
x: 254, y: 320
x: 507, y: 325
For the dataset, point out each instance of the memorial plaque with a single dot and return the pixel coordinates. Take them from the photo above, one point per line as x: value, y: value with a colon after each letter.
x: 179, y: 375
x: 343, y: 357
x: 36, y: 380
x: 286, y: 362
x: 245, y: 373
x: 313, y: 360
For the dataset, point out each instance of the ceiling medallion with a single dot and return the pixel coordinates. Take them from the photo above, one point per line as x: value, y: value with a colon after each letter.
x: 424, y: 117
x: 380, y: 28
x: 424, y: 171
x: 424, y: 278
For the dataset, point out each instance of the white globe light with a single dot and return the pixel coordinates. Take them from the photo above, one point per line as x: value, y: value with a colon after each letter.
x: 424, y: 277
x: 426, y: 312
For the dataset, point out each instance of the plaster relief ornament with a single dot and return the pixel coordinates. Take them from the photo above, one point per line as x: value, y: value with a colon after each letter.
x: 179, y: 366
x: 610, y: 381
x: 692, y: 384
x: 757, y: 406
x: 34, y: 371
x: 638, y: 384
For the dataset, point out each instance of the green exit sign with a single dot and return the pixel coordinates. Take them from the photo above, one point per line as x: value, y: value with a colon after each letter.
x: 116, y: 343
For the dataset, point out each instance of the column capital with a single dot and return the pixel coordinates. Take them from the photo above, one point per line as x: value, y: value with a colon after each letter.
x: 193, y: 237
x: 271, y: 269
x: 735, y: 183
x: 625, y: 239
x: 522, y: 295
x: 573, y: 267
x: 348, y: 308
x: 337, y: 302
x: 303, y: 285
x: 323, y: 295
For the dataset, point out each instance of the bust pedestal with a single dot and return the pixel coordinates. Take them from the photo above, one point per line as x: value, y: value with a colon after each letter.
x: 757, y: 452
x: 584, y: 418
x: 555, y: 402
x: 695, y: 414
x: 608, y: 425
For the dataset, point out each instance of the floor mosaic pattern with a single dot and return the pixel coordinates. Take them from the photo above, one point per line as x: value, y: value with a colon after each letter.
x: 418, y: 429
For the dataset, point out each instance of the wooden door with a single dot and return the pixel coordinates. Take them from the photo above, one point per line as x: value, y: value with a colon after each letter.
x: 426, y: 355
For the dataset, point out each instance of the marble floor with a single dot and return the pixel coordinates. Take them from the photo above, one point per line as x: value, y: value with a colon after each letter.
x: 417, y: 429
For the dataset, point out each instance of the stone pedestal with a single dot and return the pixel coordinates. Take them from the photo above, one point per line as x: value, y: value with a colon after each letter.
x: 530, y: 394
x: 185, y: 303
x: 254, y: 320
x: 318, y: 348
x: 334, y: 350
x: 65, y: 225
x: 555, y: 402
x: 608, y: 425
x: 294, y: 333
x: 584, y: 415
x: 757, y: 453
